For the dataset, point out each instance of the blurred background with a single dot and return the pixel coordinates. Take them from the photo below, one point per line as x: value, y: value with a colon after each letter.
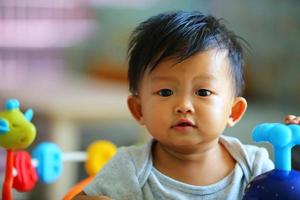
x: 66, y: 59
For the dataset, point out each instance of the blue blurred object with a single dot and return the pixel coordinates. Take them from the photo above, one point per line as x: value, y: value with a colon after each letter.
x: 275, y: 184
x: 282, y: 183
x: 49, y: 158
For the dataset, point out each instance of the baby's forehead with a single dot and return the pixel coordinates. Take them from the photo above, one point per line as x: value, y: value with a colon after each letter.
x: 211, y: 60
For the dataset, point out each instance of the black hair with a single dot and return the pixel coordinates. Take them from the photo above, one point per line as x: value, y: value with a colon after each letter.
x: 181, y: 35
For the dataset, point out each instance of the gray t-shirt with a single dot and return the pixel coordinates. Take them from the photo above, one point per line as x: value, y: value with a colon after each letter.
x: 130, y: 175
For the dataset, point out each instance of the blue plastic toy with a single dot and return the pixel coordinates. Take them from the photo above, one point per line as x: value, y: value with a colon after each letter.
x: 282, y: 183
x: 50, y: 167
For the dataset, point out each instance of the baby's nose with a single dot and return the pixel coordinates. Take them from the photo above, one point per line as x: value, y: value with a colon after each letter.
x: 184, y: 106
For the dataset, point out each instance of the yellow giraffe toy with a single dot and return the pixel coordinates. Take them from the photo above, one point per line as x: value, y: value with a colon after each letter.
x: 16, y: 132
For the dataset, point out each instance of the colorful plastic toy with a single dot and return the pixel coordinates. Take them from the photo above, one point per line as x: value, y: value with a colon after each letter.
x: 282, y: 183
x: 78, y: 188
x: 49, y: 159
x: 98, y: 153
x: 26, y: 176
x: 16, y: 132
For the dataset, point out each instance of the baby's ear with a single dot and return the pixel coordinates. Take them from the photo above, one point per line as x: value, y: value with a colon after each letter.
x: 238, y: 109
x: 135, y: 107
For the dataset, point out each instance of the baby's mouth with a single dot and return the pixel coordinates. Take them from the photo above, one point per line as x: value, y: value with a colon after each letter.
x: 184, y: 123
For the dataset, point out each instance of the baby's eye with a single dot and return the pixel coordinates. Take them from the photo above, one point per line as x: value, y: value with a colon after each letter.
x: 165, y: 92
x: 203, y: 92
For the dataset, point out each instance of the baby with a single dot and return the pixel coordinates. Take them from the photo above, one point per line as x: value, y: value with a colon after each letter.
x: 186, y: 79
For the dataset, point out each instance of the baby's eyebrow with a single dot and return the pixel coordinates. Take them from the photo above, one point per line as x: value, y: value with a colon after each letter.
x: 163, y: 78
x: 205, y: 77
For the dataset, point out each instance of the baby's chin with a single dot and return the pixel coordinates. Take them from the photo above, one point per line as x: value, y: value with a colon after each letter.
x: 184, y: 146
x: 196, y: 145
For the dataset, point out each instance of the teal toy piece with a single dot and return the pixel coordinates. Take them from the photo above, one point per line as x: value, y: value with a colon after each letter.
x: 16, y: 129
x: 281, y: 183
x: 282, y: 137
x: 49, y: 158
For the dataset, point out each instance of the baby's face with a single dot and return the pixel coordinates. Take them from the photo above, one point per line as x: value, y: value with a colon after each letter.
x: 188, y: 103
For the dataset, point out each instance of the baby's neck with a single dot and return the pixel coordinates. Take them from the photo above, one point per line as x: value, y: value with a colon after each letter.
x: 195, y: 167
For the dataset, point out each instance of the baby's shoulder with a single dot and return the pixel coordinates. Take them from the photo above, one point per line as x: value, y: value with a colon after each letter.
x: 133, y: 158
x: 252, y: 159
x: 235, y: 146
x: 120, y: 174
